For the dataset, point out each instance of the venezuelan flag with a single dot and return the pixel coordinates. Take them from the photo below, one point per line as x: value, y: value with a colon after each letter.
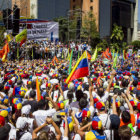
x: 80, y: 69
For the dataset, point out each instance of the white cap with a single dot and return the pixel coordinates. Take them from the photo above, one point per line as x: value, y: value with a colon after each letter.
x: 21, y: 122
x: 26, y: 109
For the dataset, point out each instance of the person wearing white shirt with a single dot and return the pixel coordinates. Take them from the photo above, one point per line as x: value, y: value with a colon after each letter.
x: 43, y: 111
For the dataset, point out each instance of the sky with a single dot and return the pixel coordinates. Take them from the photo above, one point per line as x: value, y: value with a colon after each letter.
x: 139, y: 11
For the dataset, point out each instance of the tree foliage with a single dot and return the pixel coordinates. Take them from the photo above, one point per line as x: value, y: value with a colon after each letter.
x: 117, y: 37
x: 136, y: 44
x: 89, y: 30
x: 63, y: 29
x: 102, y: 45
x: 2, y: 30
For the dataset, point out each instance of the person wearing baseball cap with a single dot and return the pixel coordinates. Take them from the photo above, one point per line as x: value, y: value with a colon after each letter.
x: 95, y: 126
x: 103, y: 116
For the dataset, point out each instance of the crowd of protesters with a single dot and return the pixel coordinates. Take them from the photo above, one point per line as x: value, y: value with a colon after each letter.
x: 103, y: 105
x: 44, y: 49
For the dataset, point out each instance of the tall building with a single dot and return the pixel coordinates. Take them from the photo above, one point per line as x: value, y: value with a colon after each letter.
x: 125, y: 14
x: 5, y: 4
x: 24, y: 6
x: 138, y: 35
x: 101, y: 10
x: 50, y: 9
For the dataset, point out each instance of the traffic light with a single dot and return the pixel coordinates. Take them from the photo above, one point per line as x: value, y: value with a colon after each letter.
x: 7, y: 18
x: 16, y: 18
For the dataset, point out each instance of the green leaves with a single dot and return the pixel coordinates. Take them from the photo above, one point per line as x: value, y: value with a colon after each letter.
x: 89, y: 30
x: 136, y: 44
x: 117, y: 38
x: 117, y: 34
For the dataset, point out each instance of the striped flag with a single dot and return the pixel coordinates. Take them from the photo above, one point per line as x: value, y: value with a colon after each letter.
x: 94, y: 55
x: 70, y: 61
x: 80, y: 69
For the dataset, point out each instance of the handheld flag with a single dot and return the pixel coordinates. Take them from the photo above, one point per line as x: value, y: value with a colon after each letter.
x: 68, y: 54
x: 70, y: 61
x: 108, y: 54
x: 80, y: 69
x: 88, y: 55
x: 125, y: 55
x: 55, y: 60
x: 104, y: 55
x: 78, y: 55
x: 115, y: 61
x: 94, y: 55
x: 38, y: 90
x: 8, y: 38
x: 6, y: 51
x: 113, y: 53
x: 32, y: 53
x: 21, y: 37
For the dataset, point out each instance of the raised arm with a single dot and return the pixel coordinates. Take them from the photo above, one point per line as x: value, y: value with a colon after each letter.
x: 128, y: 103
x: 81, y: 130
x: 66, y: 131
x: 128, y: 91
x: 111, y: 80
x: 91, y: 97
x: 60, y: 89
x: 50, y: 91
x: 34, y: 133
x: 50, y: 121
x: 53, y: 103
x: 114, y: 105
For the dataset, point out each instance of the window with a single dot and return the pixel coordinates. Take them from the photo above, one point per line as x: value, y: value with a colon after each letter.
x: 91, y: 8
x: 73, y: 0
x: 91, y: 0
x: 73, y: 7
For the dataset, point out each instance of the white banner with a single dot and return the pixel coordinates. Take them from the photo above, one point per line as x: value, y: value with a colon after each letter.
x: 43, y: 30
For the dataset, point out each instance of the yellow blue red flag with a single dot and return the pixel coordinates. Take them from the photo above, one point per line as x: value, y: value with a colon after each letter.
x: 80, y: 69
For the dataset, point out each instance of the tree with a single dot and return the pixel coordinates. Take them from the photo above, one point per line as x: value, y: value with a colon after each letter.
x: 136, y: 44
x: 102, y: 45
x: 89, y: 30
x: 63, y: 29
x: 117, y: 37
x: 2, y: 30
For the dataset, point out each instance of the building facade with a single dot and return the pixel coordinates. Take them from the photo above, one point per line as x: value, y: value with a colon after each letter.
x: 125, y: 14
x: 138, y: 35
x: 50, y: 9
x: 24, y: 6
x: 101, y: 10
